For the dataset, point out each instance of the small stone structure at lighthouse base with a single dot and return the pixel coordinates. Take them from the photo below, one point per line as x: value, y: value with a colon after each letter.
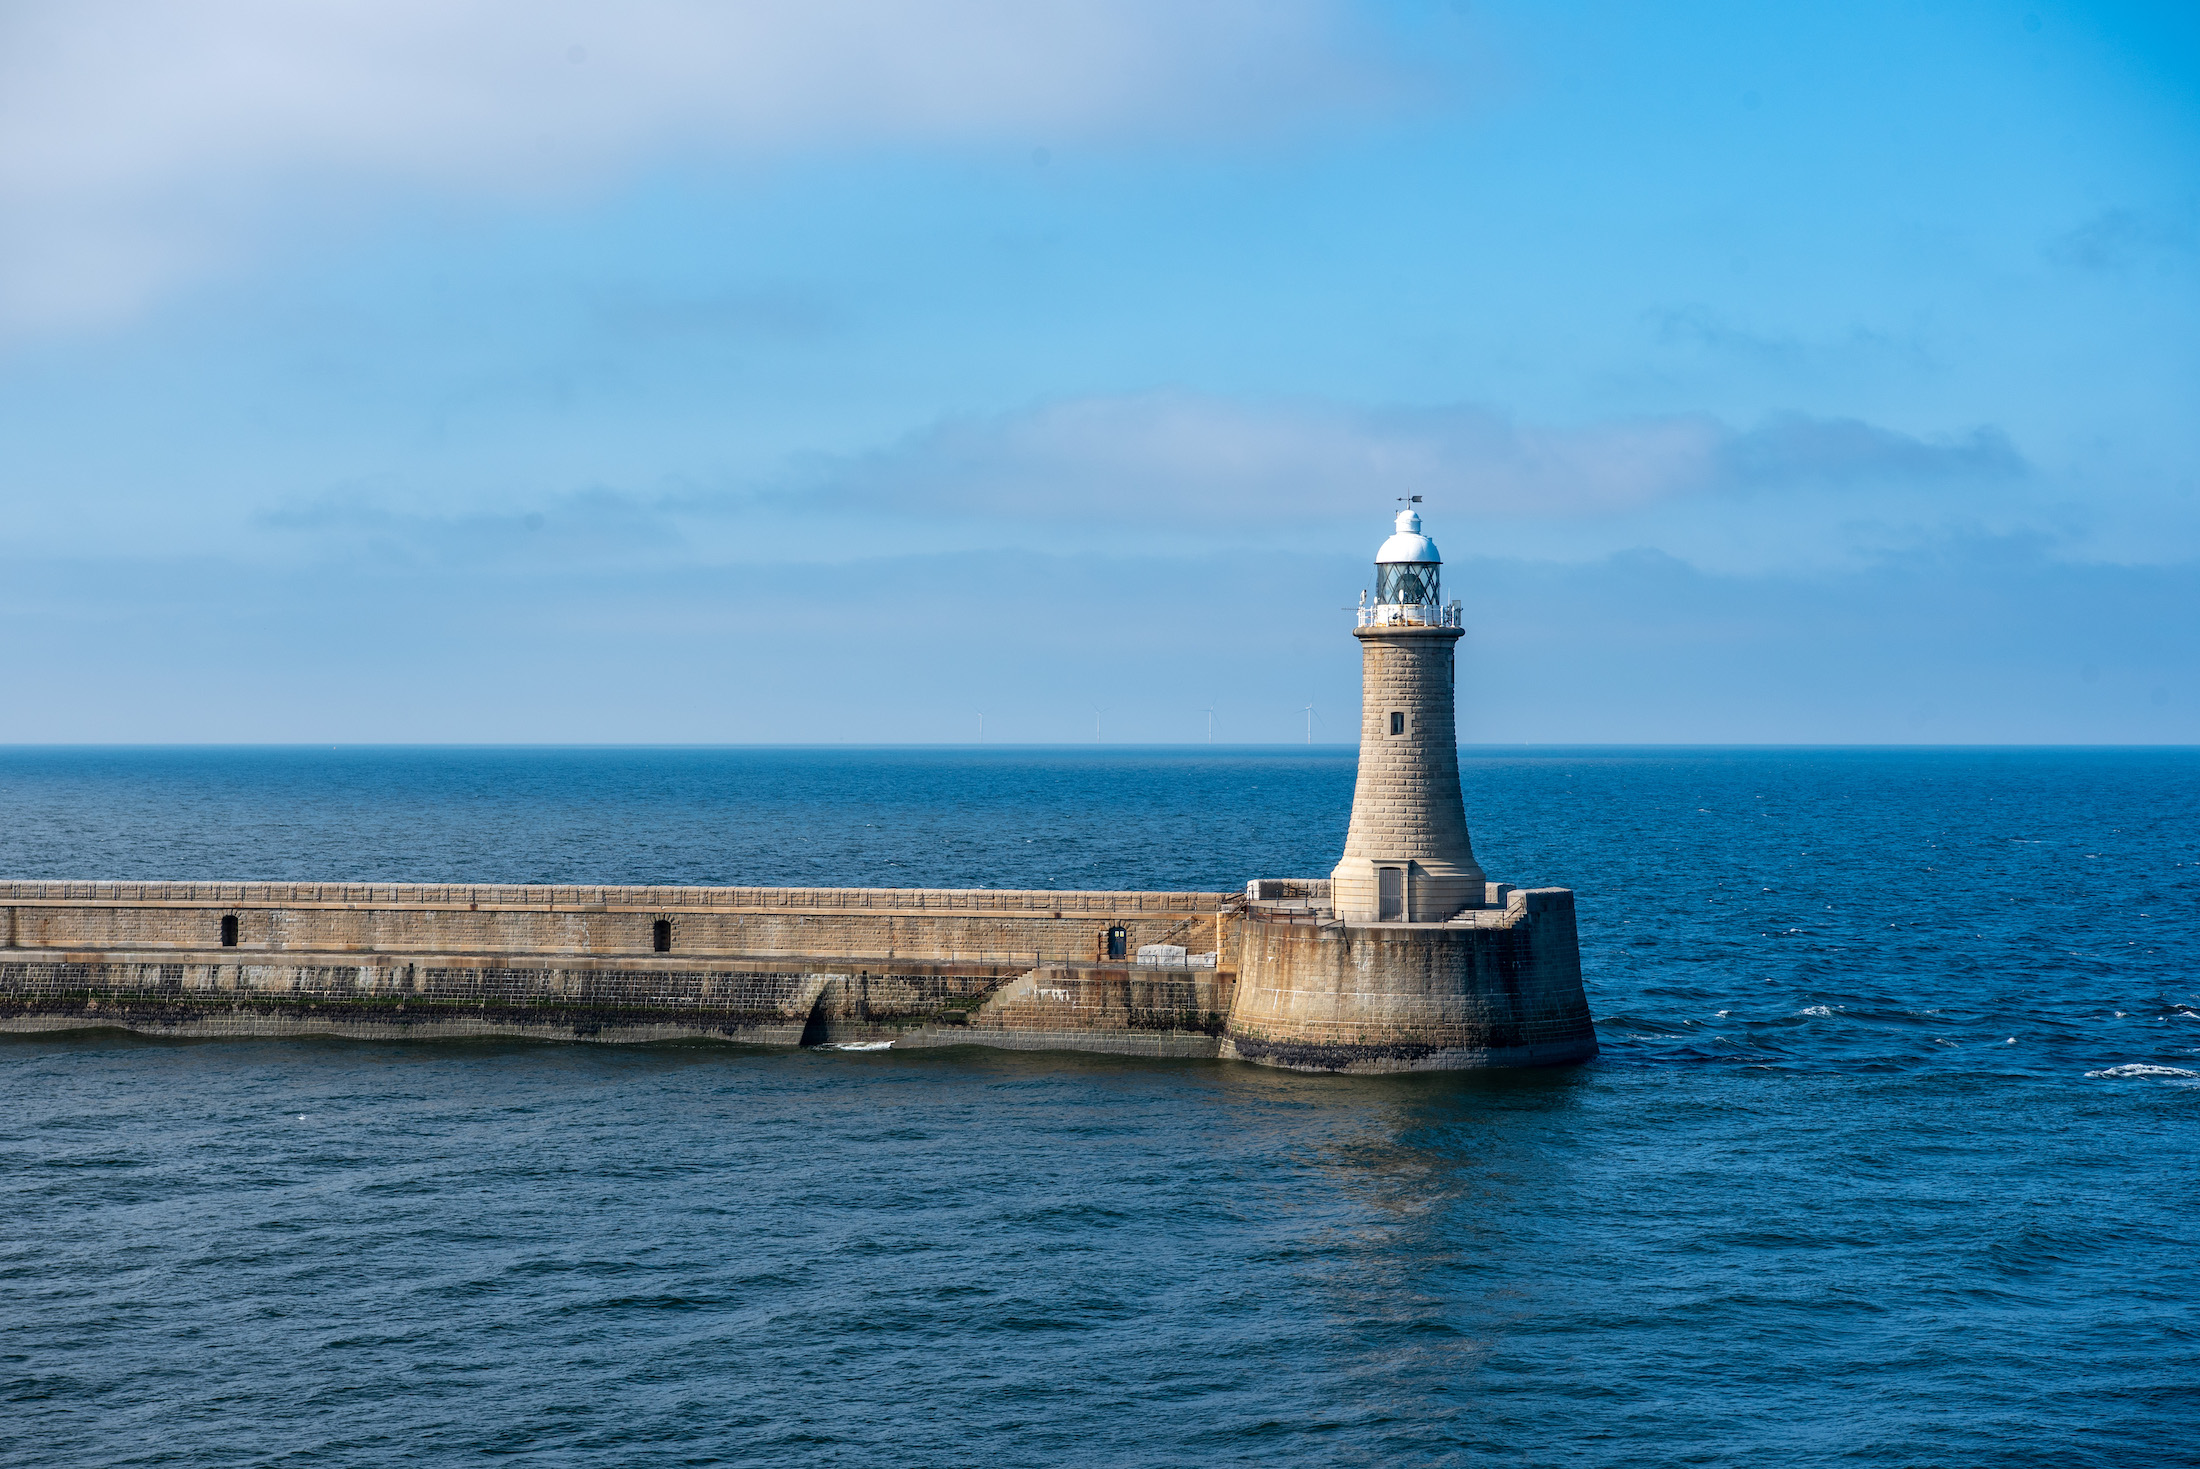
x: 1406, y: 958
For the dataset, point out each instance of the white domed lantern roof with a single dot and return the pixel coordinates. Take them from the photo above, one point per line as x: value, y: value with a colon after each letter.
x: 1408, y: 544
x: 1408, y: 579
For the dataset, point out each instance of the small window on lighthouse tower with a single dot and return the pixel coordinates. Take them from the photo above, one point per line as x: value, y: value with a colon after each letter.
x: 1397, y: 722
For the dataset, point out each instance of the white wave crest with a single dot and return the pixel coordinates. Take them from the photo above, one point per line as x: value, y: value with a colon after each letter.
x: 858, y: 1046
x: 2136, y: 1069
x: 1818, y: 1010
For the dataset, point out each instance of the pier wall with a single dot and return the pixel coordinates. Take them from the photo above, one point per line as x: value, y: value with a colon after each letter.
x: 1498, y: 985
x: 768, y: 966
x: 390, y: 918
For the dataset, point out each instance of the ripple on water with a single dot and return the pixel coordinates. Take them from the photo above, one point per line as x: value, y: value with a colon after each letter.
x: 1918, y: 1194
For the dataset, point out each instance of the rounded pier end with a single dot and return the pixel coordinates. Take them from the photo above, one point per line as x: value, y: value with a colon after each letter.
x: 1489, y: 989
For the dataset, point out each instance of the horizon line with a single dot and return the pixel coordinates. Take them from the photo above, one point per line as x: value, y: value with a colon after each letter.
x: 1087, y: 745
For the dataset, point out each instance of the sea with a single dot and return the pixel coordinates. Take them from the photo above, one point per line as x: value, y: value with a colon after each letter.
x: 1892, y: 1155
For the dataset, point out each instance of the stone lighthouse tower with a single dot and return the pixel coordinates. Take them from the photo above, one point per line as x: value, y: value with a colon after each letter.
x: 1407, y: 857
x: 1406, y: 958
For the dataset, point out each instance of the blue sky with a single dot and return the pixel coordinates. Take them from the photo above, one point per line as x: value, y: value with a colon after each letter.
x: 840, y: 371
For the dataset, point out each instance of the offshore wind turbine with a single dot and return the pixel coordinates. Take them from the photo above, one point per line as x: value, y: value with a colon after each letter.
x: 1311, y: 716
x: 1210, y: 712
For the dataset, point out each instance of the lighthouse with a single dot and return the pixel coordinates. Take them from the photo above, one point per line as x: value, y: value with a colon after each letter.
x: 1406, y: 958
x: 1407, y: 856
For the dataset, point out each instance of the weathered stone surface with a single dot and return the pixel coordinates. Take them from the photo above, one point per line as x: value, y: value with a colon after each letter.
x: 1497, y: 990
x: 984, y: 925
x: 1406, y: 806
x: 1293, y: 986
x: 759, y: 966
x: 1093, y: 998
x: 1409, y: 958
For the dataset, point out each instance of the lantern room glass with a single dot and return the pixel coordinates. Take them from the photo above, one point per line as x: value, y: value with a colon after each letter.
x: 1408, y: 583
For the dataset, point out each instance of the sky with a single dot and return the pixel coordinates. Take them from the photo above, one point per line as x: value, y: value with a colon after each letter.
x: 838, y: 371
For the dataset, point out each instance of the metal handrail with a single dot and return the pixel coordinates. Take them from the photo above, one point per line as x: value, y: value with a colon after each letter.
x: 1409, y: 614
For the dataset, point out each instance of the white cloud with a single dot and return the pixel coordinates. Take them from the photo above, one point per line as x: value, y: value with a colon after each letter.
x: 1190, y: 475
x: 1179, y: 457
x: 140, y: 141
x: 1796, y: 448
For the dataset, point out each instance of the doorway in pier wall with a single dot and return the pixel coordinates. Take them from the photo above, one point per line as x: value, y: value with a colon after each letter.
x: 1119, y: 943
x: 1390, y: 904
x: 229, y: 931
x: 660, y: 936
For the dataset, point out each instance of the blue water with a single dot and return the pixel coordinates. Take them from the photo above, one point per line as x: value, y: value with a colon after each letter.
x: 1892, y: 1156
